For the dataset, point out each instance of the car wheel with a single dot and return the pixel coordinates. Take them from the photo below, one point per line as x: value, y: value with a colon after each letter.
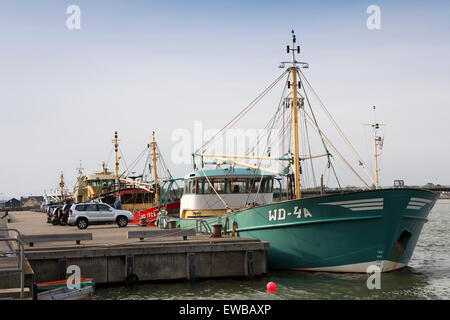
x: 82, y: 223
x: 122, y: 221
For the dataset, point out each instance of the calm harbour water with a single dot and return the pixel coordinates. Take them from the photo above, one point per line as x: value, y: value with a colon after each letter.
x: 426, y: 277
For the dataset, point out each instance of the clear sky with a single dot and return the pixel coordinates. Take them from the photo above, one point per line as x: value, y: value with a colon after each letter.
x: 143, y: 66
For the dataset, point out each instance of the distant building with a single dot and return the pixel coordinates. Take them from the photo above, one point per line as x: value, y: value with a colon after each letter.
x: 33, y: 201
x: 12, y: 203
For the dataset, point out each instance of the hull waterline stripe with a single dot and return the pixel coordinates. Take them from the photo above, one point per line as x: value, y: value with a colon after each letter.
x: 414, y: 203
x: 366, y: 208
x: 292, y: 224
x: 420, y: 199
x: 414, y: 207
x: 362, y: 205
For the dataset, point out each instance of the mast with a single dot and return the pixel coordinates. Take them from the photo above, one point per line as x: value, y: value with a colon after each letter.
x: 376, y: 161
x: 155, y: 176
x: 116, y: 141
x: 61, y: 185
x: 116, y: 149
x: 294, y: 106
x: 294, y: 95
x: 378, y: 142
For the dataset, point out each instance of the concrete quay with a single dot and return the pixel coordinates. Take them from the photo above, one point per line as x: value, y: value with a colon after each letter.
x: 111, y: 257
x: 11, y: 266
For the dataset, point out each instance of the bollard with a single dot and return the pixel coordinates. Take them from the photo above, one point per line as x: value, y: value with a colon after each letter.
x: 233, y: 233
x: 172, y: 224
x: 216, y: 230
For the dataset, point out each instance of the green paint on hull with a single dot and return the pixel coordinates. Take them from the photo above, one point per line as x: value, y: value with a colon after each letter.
x: 337, y: 230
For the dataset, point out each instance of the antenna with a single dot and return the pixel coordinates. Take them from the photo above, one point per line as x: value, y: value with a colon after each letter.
x: 378, y: 143
x: 294, y: 49
x: 80, y: 169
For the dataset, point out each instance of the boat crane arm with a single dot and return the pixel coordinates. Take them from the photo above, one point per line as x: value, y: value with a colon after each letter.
x: 302, y: 157
x: 248, y: 165
x: 141, y: 185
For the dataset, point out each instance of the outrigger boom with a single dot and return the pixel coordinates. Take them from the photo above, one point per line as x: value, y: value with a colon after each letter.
x: 227, y: 158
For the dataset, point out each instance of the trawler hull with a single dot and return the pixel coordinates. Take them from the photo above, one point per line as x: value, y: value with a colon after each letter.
x: 338, y: 233
x: 341, y: 233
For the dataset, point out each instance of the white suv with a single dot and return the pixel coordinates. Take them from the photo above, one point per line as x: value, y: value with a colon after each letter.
x: 84, y: 214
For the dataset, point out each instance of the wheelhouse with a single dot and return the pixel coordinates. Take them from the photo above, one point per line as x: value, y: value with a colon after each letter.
x: 214, y: 191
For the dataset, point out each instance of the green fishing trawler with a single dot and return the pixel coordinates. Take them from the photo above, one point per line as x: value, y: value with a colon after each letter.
x: 338, y: 231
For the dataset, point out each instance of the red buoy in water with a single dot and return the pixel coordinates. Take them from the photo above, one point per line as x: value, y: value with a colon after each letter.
x: 271, y: 287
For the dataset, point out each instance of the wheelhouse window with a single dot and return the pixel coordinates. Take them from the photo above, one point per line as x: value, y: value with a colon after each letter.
x: 269, y: 185
x: 196, y: 186
x: 254, y: 185
x: 214, y: 184
x: 237, y: 186
x: 208, y: 189
x: 228, y: 185
x: 94, y: 183
x: 219, y: 185
x: 193, y: 186
x: 259, y: 185
x: 107, y: 183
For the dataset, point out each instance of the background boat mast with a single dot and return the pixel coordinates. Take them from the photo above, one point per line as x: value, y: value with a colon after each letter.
x: 61, y: 185
x: 378, y: 142
x: 116, y: 141
x: 155, y: 176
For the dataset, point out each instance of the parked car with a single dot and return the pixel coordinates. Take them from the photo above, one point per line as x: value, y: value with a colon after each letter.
x: 50, y: 211
x: 66, y: 207
x: 60, y: 215
x: 84, y: 214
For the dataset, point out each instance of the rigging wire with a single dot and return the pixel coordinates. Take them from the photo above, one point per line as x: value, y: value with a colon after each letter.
x: 214, y: 189
x: 338, y: 153
x: 274, y: 122
x: 123, y: 158
x: 272, y: 119
x: 144, y: 168
x: 338, y: 129
x: 241, y: 113
x: 308, y: 144
x: 330, y: 164
x: 268, y: 142
x: 310, y: 154
x: 109, y: 157
x: 262, y: 176
x: 133, y: 164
